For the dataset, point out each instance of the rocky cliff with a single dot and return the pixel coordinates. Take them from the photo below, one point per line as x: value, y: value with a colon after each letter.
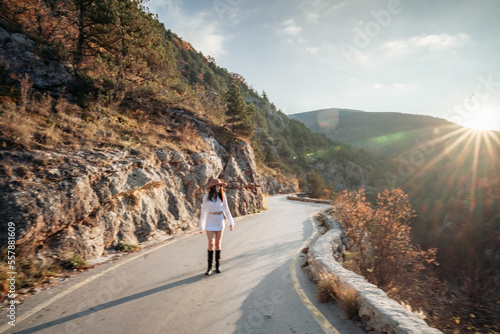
x: 89, y: 201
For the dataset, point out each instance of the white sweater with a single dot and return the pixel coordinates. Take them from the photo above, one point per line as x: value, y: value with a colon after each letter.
x: 211, y: 222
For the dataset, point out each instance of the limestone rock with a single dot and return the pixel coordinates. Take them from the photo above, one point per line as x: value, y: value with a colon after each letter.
x: 18, y: 56
x: 88, y: 202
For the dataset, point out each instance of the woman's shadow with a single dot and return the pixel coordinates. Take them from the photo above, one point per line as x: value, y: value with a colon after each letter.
x: 112, y: 303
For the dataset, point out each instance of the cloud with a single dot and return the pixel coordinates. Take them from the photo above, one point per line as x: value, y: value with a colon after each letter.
x: 312, y: 50
x: 396, y: 85
x: 397, y: 48
x: 290, y: 28
x: 339, y: 5
x: 440, y: 42
x: 209, y: 42
x: 200, y: 29
x: 434, y: 43
x: 311, y: 16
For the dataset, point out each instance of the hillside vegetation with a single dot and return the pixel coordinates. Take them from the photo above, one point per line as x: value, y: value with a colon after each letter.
x: 128, y: 73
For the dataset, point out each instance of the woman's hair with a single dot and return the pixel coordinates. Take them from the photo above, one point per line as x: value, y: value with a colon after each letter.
x: 212, y: 194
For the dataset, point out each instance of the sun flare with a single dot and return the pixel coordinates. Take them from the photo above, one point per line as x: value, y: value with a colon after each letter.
x: 484, y: 120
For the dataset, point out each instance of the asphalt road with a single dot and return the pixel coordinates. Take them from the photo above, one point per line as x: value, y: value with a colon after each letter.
x: 164, y: 289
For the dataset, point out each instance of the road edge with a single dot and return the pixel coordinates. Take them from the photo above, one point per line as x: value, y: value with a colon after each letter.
x: 325, y: 325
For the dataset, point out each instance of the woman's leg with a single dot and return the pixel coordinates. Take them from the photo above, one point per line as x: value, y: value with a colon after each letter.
x: 218, y: 239
x: 210, y: 236
x: 210, y: 252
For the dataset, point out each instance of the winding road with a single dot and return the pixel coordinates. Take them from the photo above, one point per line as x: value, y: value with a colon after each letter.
x: 163, y: 289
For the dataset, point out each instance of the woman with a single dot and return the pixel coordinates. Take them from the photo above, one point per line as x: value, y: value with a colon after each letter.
x: 213, y: 209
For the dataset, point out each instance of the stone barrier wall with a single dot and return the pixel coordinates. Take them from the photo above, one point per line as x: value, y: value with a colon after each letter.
x: 307, y: 199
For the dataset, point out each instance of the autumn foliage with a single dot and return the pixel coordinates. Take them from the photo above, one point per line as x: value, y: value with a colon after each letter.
x: 380, y: 247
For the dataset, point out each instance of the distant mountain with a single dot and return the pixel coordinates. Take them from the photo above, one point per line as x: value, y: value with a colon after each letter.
x: 387, y: 133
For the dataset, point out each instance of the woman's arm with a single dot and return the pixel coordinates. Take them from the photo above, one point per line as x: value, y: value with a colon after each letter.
x: 203, y: 214
x: 227, y: 213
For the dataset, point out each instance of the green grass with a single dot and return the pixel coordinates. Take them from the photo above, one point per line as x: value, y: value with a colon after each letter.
x: 126, y: 247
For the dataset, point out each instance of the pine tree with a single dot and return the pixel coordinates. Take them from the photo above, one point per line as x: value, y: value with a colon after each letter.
x: 87, y: 17
x: 264, y: 96
x: 240, y: 115
x: 247, y: 125
x: 134, y: 45
x: 316, y: 183
x: 236, y: 106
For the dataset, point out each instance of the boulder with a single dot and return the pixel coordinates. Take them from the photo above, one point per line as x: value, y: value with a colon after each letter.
x: 18, y: 55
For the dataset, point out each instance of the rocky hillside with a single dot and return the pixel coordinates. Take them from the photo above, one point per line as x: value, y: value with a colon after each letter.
x: 88, y: 200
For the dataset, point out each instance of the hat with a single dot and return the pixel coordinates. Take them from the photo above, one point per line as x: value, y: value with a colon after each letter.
x: 216, y: 182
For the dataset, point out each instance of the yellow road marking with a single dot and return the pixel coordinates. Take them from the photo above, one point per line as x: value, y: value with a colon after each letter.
x: 318, y: 316
x: 82, y: 283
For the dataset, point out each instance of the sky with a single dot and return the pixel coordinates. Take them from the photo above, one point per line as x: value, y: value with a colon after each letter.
x: 428, y: 57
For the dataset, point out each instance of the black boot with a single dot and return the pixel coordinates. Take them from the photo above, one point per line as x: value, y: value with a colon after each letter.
x: 217, y: 261
x: 210, y: 261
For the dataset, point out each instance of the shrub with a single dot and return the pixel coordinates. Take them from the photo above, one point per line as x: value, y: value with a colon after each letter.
x: 380, y: 235
x: 316, y: 184
x: 75, y: 262
x: 330, y: 288
x: 126, y: 247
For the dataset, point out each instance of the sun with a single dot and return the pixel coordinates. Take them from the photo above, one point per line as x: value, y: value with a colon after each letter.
x: 483, y: 120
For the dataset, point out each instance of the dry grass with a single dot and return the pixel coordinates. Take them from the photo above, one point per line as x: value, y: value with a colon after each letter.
x: 447, y: 308
x: 331, y: 288
x: 132, y: 201
x: 42, y: 123
x: 74, y: 261
x: 135, y: 119
x: 188, y: 138
x: 4, y: 284
x: 15, y: 126
x: 24, y: 90
x: 127, y: 247
x: 29, y: 272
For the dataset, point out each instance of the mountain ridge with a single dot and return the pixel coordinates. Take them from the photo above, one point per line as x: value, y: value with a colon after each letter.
x: 386, y: 133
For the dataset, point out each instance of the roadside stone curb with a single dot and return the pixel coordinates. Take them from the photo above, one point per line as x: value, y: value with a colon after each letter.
x: 378, y: 312
x: 307, y: 199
